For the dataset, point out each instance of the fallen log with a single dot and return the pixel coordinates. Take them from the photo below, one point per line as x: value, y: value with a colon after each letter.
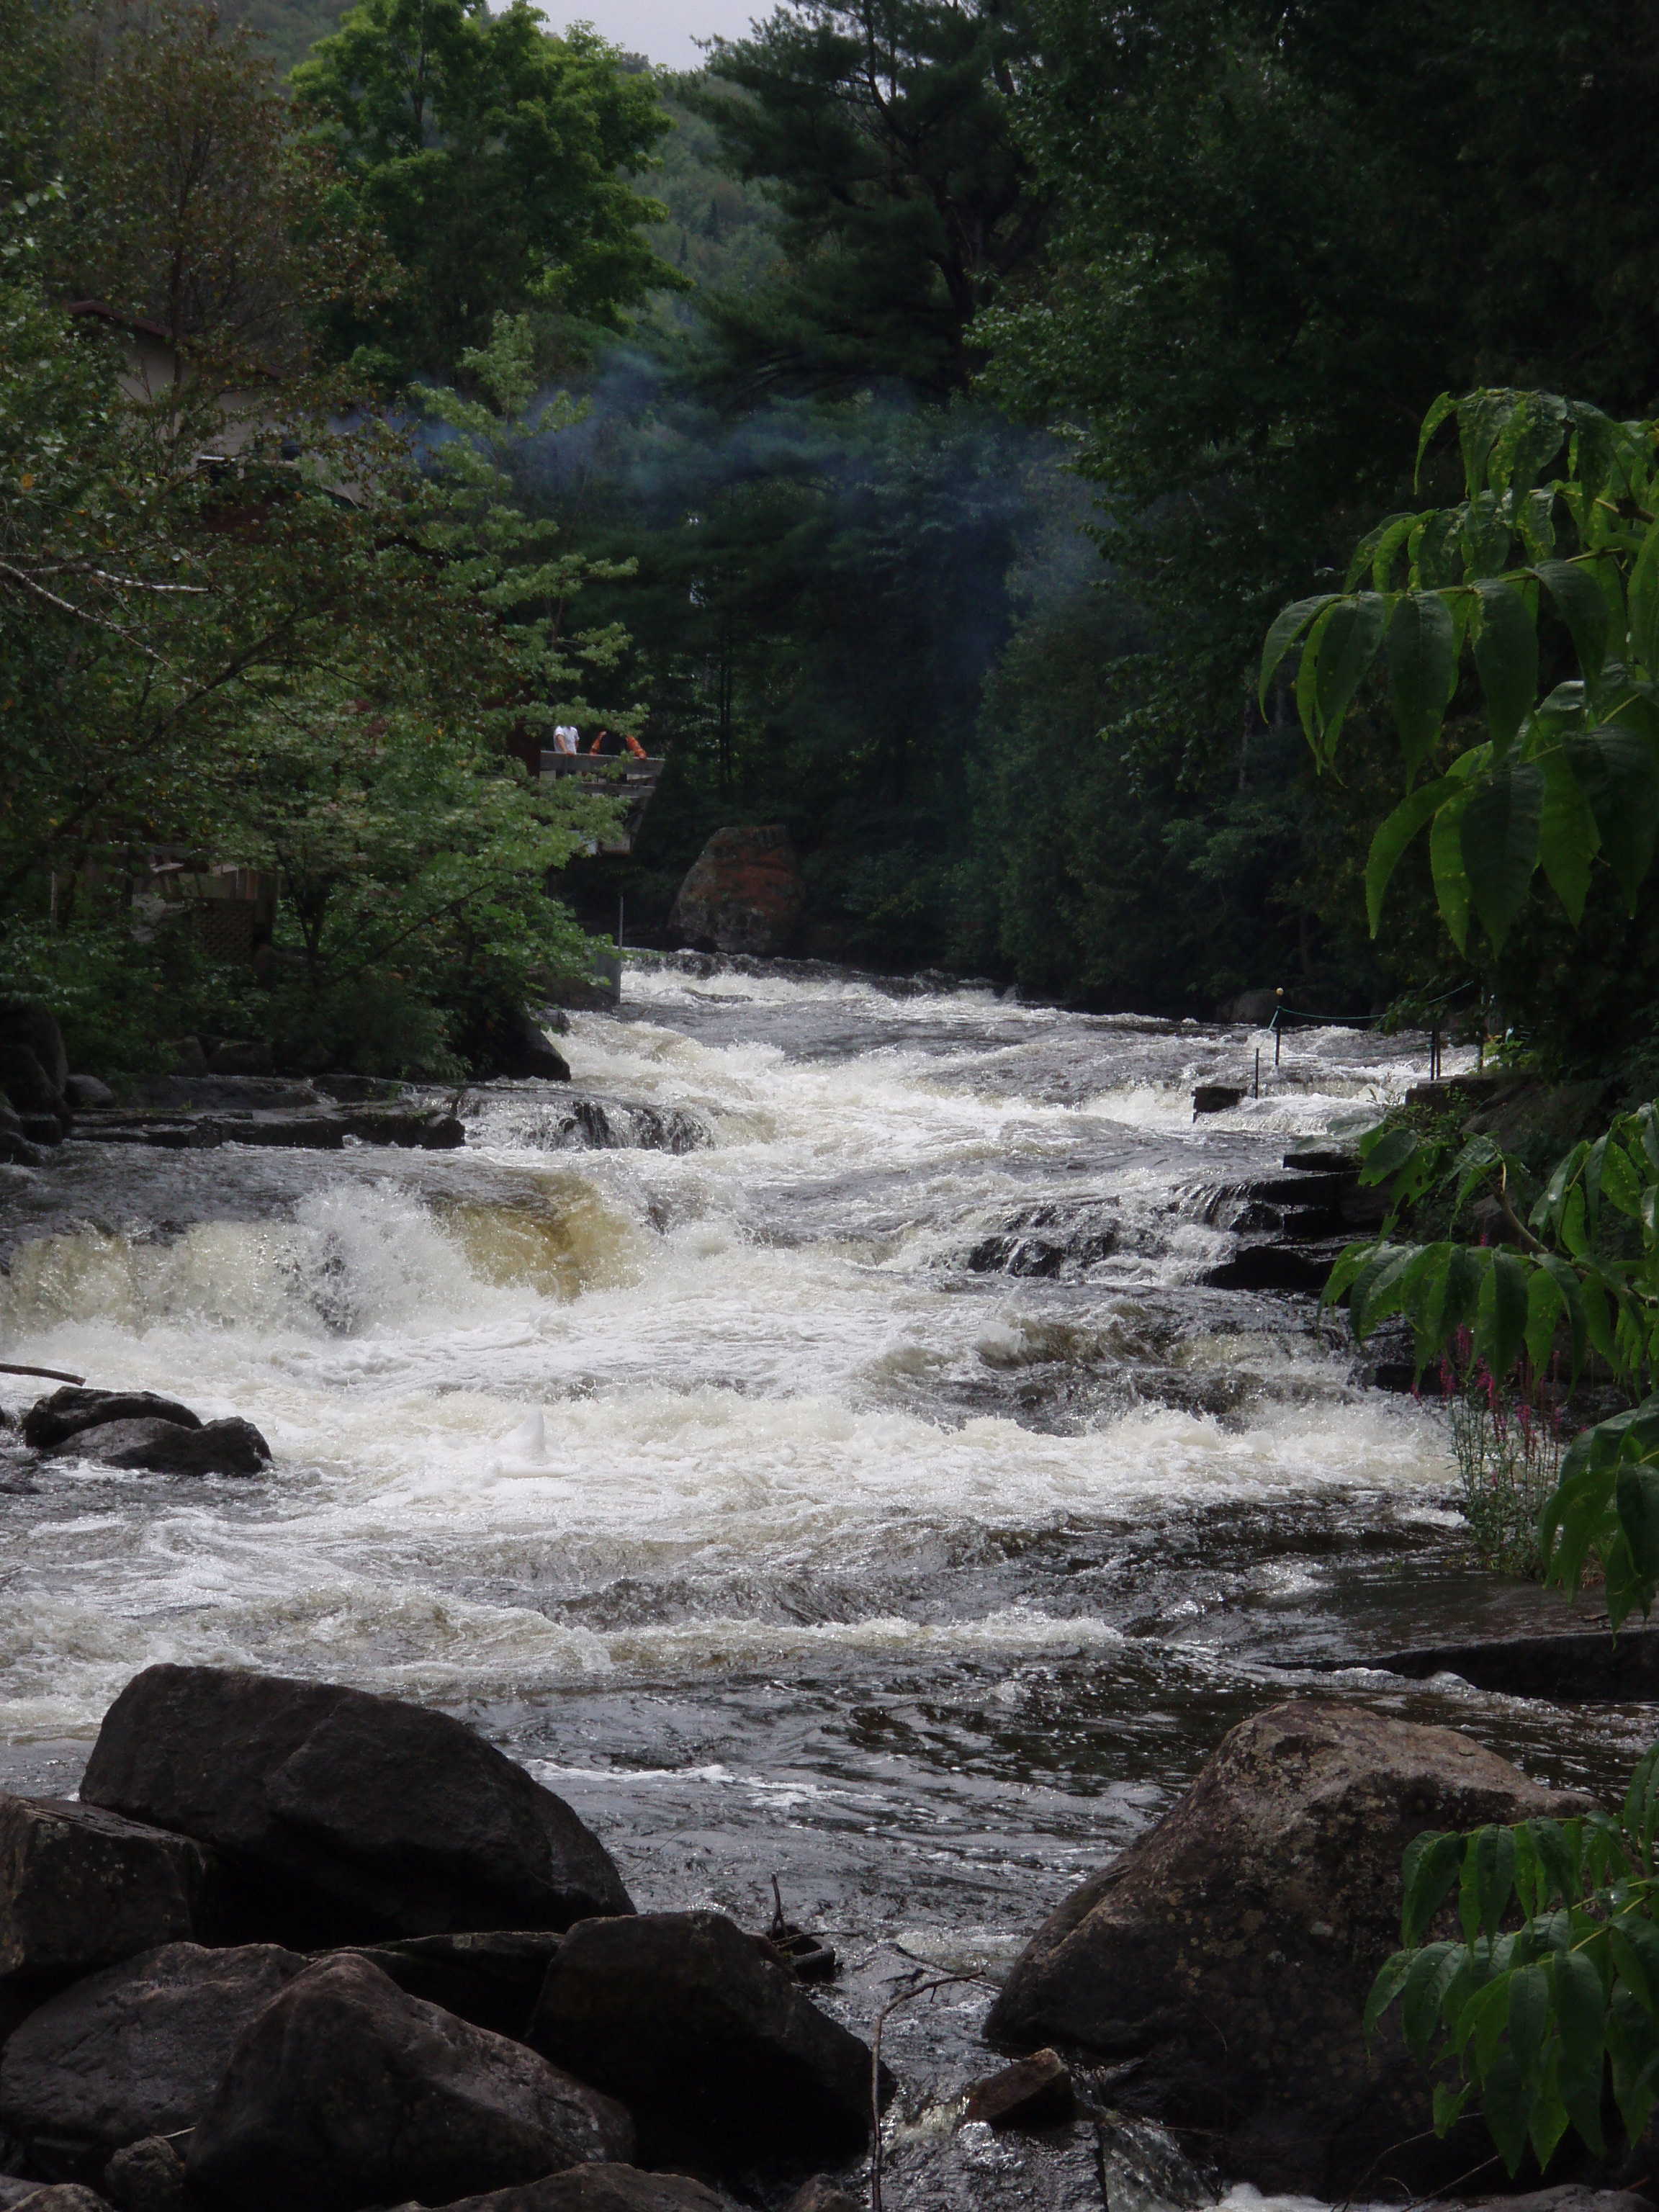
x: 51, y: 1373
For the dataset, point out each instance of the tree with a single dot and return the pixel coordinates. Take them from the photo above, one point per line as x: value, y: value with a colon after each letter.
x: 252, y: 664
x: 495, y: 159
x: 882, y: 129
x: 188, y: 201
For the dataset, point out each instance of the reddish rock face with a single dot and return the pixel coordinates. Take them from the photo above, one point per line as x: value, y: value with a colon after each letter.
x: 744, y: 893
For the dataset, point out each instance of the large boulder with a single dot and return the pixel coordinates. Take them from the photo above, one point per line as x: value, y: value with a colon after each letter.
x: 133, y: 2052
x: 743, y: 893
x: 606, y: 2189
x: 350, y: 1817
x: 161, y: 1447
x: 27, y: 1026
x: 80, y: 1888
x: 1231, y: 1950
x: 52, y: 1420
x: 345, y: 2093
x: 493, y: 1979
x: 724, y: 2060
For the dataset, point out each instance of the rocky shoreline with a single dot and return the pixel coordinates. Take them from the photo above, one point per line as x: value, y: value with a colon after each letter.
x: 295, y: 1946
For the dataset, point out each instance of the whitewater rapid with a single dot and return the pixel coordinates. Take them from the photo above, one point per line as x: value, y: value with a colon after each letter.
x: 712, y: 1459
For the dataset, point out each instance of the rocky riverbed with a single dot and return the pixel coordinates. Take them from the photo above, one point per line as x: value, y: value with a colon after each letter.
x: 836, y: 1435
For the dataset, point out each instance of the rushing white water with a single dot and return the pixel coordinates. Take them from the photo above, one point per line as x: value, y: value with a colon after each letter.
x: 719, y: 1380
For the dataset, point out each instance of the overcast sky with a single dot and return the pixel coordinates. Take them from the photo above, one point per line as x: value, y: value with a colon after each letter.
x: 663, y: 29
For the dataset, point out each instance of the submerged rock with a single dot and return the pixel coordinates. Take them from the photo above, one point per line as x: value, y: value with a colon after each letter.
x: 596, y: 2189
x: 1231, y: 1950
x: 1033, y: 2092
x: 147, y: 2176
x: 723, y: 2059
x: 350, y: 1817
x: 51, y: 1421
x: 133, y: 2052
x: 345, y: 2093
x: 82, y: 1889
x: 164, y: 1447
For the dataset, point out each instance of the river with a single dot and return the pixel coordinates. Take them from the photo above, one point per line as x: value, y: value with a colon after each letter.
x: 741, y: 1479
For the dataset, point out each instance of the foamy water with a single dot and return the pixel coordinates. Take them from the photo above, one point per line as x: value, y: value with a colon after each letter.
x: 838, y: 1470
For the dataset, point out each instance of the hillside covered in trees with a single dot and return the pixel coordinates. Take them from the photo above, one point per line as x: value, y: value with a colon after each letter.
x: 910, y: 424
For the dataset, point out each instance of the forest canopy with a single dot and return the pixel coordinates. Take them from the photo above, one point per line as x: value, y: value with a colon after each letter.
x: 918, y: 416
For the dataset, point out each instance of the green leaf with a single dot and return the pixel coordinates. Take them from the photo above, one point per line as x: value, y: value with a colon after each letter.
x: 1420, y: 1994
x: 1448, y: 2102
x: 1644, y: 603
x: 1451, y: 879
x: 1286, y: 628
x: 1618, y: 771
x: 1444, y: 406
x: 1386, y: 1987
x: 1582, y: 605
x: 1545, y: 1307
x: 1396, y: 832
x: 1349, y: 639
x: 1499, y: 842
x: 1636, y: 1498
x: 1634, y: 1942
x: 1505, y: 645
x: 1432, y: 1863
x: 1500, y: 1320
x: 1568, y: 839
x: 1388, y: 1154
x: 1506, y: 2107
x: 1530, y: 2017
x: 1422, y: 670
x: 1488, y: 1879
x: 1581, y: 2014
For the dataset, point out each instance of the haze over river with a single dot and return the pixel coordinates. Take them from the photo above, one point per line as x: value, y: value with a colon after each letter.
x: 750, y: 1492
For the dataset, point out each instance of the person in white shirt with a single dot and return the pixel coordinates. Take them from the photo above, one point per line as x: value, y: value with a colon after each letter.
x: 564, y: 738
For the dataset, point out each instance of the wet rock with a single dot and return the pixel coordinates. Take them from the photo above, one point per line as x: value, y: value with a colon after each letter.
x: 63, y: 2197
x: 1275, y: 1265
x: 25, y: 1082
x: 345, y: 2093
x: 27, y: 1026
x: 604, y: 2188
x: 1033, y: 2092
x: 1231, y: 1950
x: 148, y: 2176
x: 414, y: 1128
x: 85, y: 1091
x: 1217, y: 1098
x: 715, y: 2048
x: 351, y: 1817
x: 133, y: 2052
x: 744, y: 893
x: 80, y: 1888
x: 1569, y: 1670
x: 1570, y: 2197
x: 159, y: 1447
x: 820, y: 2194
x: 17, y: 1148
x: 15, y: 2191
x: 491, y: 1979
x: 53, y: 1420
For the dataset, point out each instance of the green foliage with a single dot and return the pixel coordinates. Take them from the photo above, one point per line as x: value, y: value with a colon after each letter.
x: 1545, y: 2019
x: 494, y: 157
x: 1550, y: 560
x: 1583, y: 1276
x: 884, y: 134
x: 254, y: 666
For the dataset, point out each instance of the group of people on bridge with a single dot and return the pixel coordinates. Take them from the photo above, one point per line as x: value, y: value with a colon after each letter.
x: 608, y: 744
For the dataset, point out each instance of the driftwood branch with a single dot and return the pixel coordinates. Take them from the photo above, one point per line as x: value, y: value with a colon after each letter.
x: 51, y: 1373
